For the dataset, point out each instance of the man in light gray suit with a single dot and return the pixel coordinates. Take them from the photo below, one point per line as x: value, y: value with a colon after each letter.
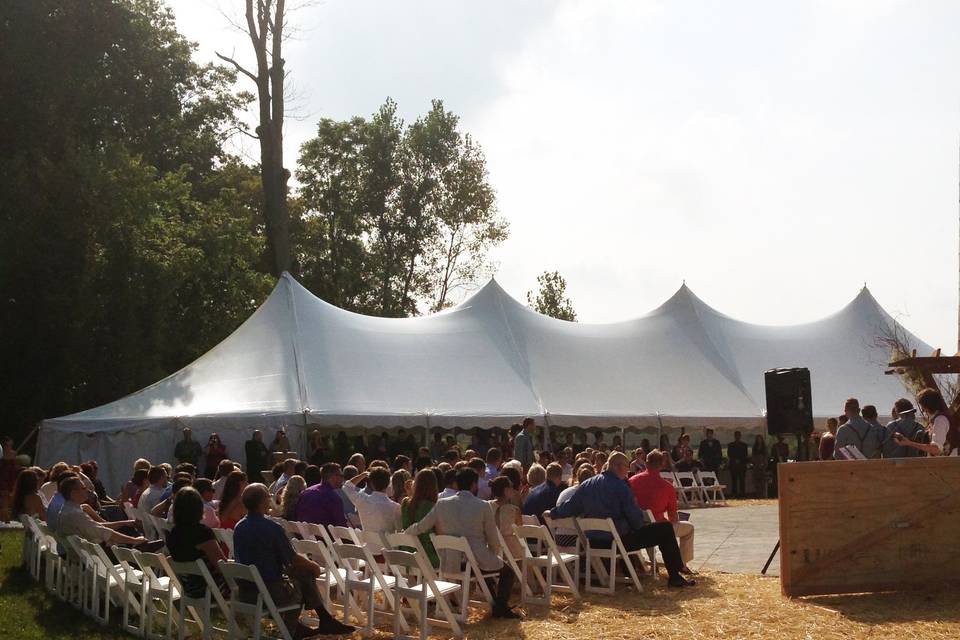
x: 467, y: 516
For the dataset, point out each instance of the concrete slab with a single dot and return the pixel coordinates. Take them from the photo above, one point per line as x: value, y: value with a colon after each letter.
x: 736, y: 539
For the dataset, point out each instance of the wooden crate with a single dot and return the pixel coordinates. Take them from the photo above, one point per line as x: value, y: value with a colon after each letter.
x: 851, y: 526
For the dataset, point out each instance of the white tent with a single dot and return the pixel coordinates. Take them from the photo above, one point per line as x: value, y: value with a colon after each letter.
x: 298, y: 361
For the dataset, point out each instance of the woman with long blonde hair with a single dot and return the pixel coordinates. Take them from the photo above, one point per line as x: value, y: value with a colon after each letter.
x: 291, y: 495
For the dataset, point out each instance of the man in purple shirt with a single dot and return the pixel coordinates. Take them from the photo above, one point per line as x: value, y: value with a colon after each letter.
x: 321, y: 503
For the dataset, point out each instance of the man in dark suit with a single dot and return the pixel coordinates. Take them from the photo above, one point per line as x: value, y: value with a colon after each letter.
x: 710, y: 452
x: 737, y: 454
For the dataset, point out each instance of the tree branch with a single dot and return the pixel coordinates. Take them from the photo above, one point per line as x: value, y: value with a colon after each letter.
x: 236, y: 65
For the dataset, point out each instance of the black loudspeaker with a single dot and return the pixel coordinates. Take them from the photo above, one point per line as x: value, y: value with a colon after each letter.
x: 789, y: 406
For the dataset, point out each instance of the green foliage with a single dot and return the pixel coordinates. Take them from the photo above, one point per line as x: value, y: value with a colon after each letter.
x: 128, y: 238
x: 131, y: 242
x: 551, y: 300
x: 394, y: 217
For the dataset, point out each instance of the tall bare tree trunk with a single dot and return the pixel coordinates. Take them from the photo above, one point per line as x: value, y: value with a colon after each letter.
x: 265, y: 21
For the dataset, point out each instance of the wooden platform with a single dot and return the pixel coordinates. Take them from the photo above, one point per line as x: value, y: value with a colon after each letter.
x: 851, y: 526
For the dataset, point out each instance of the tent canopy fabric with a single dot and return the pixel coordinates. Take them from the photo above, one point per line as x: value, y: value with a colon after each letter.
x: 489, y: 361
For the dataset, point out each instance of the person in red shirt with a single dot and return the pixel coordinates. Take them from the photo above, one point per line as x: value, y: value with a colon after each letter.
x: 658, y: 495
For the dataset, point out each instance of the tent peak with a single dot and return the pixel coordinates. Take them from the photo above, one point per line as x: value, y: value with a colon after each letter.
x: 492, y: 292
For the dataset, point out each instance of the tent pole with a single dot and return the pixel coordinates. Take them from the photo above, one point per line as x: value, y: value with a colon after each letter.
x: 546, y: 431
x: 29, y: 437
x: 659, y: 430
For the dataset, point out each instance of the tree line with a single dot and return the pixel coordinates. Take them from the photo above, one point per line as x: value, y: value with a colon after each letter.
x: 132, y: 240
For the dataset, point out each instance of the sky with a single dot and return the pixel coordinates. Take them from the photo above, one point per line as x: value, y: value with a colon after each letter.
x: 775, y: 156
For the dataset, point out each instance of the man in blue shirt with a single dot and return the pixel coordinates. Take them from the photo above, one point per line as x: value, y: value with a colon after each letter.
x: 609, y: 496
x: 288, y: 576
x: 544, y: 497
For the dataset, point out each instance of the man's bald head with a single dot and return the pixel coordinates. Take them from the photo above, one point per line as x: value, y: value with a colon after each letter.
x: 255, y: 498
x: 619, y: 464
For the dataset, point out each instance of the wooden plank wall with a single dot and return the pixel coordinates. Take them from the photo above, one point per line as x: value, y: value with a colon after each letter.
x: 851, y: 526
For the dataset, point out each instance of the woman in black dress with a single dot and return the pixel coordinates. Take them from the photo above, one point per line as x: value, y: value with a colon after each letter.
x: 191, y: 540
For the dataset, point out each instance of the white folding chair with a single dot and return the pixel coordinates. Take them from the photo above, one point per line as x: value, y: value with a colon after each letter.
x: 403, y: 565
x: 29, y: 544
x: 107, y: 582
x: 403, y: 542
x: 514, y: 564
x: 532, y: 521
x: 72, y: 571
x: 690, y: 486
x: 264, y: 606
x: 670, y: 477
x: 568, y: 538
x: 459, y: 564
x: 368, y: 581
x: 199, y: 607
x: 79, y: 576
x: 333, y: 576
x: 133, y: 591
x: 292, y: 529
x: 36, y: 544
x: 711, y: 487
x: 161, y: 594
x: 550, y: 561
x: 373, y: 540
x: 53, y: 562
x: 161, y: 526
x: 346, y: 535
x: 307, y: 530
x: 225, y: 537
x: 651, y: 551
x: 616, y: 551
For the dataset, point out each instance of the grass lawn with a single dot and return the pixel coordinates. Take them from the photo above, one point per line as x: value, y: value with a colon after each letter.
x: 28, y: 613
x: 721, y: 606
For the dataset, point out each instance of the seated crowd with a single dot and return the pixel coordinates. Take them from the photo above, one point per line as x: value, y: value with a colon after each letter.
x: 479, y: 494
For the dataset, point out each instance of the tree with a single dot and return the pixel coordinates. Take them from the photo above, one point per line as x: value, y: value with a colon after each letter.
x: 129, y: 240
x: 394, y: 217
x: 551, y: 300
x: 265, y: 21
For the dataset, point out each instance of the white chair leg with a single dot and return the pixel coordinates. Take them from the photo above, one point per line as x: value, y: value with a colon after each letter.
x: 397, y: 615
x: 258, y: 623
x: 182, y: 629
x: 548, y: 592
x: 612, y: 587
x: 424, y: 618
x: 368, y: 629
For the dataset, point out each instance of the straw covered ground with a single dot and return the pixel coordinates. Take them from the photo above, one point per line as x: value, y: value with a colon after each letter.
x: 735, y: 606
x: 721, y: 606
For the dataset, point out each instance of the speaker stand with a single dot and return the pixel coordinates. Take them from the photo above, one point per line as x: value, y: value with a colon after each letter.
x: 773, y: 554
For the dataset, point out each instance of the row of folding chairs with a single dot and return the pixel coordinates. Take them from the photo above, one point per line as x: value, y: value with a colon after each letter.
x: 358, y: 568
x: 697, y: 487
x: 145, y: 589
